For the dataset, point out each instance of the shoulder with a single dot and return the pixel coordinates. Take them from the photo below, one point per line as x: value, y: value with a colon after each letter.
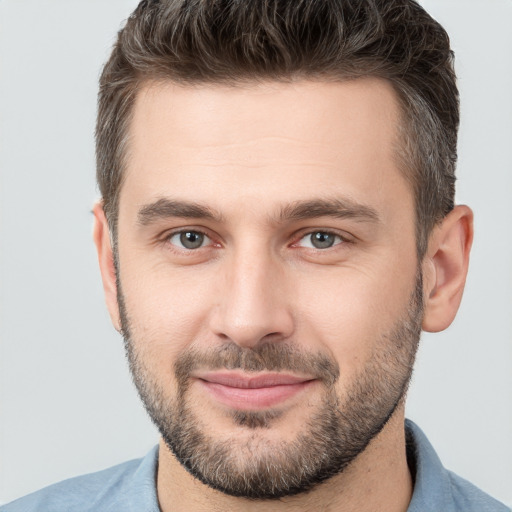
x: 128, y: 483
x: 469, y: 498
x: 435, y: 487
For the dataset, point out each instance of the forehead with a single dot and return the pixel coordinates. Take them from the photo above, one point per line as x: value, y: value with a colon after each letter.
x: 274, y: 140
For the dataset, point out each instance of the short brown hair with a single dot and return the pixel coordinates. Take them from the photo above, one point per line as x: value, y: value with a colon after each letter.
x: 232, y: 41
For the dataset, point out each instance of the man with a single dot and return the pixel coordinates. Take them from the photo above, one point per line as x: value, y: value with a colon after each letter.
x: 277, y: 226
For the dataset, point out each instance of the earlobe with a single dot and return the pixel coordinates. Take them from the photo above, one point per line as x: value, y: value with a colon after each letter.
x: 445, y: 268
x: 102, y: 240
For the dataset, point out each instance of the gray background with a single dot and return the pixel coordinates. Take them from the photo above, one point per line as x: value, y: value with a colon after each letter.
x: 67, y: 405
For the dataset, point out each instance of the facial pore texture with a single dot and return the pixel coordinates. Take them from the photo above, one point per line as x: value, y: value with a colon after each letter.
x: 259, y: 467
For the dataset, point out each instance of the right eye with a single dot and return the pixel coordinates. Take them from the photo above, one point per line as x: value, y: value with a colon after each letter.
x: 189, y: 239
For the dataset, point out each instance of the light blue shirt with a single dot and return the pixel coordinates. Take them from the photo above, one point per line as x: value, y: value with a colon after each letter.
x: 131, y: 487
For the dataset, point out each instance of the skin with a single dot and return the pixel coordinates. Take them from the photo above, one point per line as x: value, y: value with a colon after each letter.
x: 248, y: 154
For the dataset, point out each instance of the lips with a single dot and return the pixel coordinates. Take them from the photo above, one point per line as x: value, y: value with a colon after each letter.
x: 252, y: 392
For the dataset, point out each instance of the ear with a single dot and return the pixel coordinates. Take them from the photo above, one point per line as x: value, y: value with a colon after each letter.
x: 101, y: 236
x: 445, y: 267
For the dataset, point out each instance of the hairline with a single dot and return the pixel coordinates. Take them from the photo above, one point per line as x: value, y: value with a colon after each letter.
x: 402, y: 139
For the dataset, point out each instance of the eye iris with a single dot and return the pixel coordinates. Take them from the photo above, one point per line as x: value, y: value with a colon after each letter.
x: 322, y: 240
x: 191, y: 239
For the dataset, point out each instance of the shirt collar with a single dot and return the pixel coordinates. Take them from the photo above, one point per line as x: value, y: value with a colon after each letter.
x: 431, y: 486
x: 141, y: 494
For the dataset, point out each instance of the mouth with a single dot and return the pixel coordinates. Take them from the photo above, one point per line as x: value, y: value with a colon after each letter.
x: 254, y: 392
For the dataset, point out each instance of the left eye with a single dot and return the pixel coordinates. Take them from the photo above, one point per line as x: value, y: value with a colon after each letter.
x: 189, y: 239
x: 320, y: 240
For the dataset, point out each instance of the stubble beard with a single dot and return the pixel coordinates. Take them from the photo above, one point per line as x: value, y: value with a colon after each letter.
x: 257, y: 467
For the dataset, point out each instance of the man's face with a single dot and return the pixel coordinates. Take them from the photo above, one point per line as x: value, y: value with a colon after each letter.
x: 267, y: 276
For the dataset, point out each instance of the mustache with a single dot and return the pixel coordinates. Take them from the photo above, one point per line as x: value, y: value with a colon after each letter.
x: 269, y: 356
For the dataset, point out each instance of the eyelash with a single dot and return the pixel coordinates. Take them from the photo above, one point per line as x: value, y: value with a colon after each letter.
x: 340, y: 239
x: 168, y: 237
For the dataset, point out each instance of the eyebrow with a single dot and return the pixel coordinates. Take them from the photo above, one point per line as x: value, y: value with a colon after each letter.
x: 166, y: 208
x: 337, y: 208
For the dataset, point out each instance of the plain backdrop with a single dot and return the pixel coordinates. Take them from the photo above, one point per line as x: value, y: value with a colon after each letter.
x: 67, y: 405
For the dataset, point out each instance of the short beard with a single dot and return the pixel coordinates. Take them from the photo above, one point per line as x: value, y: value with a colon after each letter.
x: 335, y: 434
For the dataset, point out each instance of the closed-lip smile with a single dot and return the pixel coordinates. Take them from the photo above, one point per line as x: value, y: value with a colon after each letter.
x: 248, y: 391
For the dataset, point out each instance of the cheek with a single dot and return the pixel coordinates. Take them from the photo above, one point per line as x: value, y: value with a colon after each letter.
x: 348, y: 311
x: 166, y: 310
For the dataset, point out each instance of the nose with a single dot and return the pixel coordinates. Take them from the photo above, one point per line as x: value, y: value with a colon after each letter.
x: 253, y: 304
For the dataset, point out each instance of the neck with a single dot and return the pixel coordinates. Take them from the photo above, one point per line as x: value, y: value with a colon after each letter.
x: 378, y: 479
